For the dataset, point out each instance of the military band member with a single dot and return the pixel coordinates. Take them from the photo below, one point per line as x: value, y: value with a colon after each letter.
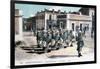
x: 80, y: 43
x: 49, y: 38
x: 71, y: 38
x: 65, y: 39
x: 57, y: 38
x: 39, y: 38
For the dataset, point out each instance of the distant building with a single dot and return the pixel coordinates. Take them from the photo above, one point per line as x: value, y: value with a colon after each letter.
x: 87, y: 11
x: 62, y: 21
x: 48, y: 18
x: 90, y: 12
x: 32, y: 20
x: 75, y: 21
x: 29, y: 24
x: 18, y: 25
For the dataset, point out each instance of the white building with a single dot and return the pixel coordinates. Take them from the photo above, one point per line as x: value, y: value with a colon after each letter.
x: 78, y: 20
x: 45, y: 18
x: 70, y: 21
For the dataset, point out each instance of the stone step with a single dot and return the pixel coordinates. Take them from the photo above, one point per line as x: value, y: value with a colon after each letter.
x: 28, y: 49
x: 38, y: 52
x: 38, y: 48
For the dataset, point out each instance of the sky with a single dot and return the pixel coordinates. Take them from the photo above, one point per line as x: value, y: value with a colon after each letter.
x: 29, y: 10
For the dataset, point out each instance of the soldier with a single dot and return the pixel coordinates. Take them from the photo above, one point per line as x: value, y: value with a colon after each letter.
x: 57, y: 38
x: 44, y: 38
x: 84, y: 31
x: 71, y: 38
x: 91, y: 33
x: 61, y: 34
x: 39, y: 38
x: 61, y: 38
x: 60, y: 42
x: 53, y: 38
x: 66, y: 37
x: 44, y: 35
x: 49, y: 38
x: 80, y: 43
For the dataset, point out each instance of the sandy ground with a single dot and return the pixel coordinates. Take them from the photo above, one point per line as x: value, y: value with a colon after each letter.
x: 64, y: 55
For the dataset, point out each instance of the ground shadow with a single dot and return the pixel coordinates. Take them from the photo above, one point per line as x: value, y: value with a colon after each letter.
x: 61, y: 56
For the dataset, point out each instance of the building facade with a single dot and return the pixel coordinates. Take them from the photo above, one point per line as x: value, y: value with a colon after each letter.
x: 50, y: 18
x: 80, y: 21
x: 45, y: 19
x: 62, y: 21
x: 70, y: 21
x: 89, y: 12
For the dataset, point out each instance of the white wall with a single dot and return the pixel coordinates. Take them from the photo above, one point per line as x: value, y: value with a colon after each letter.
x: 19, y: 36
x: 5, y: 34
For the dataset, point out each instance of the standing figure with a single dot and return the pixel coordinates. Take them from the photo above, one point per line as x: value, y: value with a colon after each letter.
x: 49, y: 38
x: 80, y: 43
x: 65, y: 39
x: 57, y: 38
x: 84, y: 31
x: 71, y: 38
x: 92, y: 32
x: 39, y: 38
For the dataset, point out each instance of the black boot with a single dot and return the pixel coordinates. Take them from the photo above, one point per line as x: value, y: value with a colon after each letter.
x: 71, y: 45
x: 79, y: 55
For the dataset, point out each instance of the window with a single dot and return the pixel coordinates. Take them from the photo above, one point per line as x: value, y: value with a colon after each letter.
x: 61, y: 16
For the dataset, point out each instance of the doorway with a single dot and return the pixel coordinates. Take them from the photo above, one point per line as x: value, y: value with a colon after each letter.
x: 73, y: 26
x: 81, y: 27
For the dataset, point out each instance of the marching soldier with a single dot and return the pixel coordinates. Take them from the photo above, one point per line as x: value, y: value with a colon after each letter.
x: 57, y: 38
x: 44, y: 39
x: 49, y: 38
x: 39, y: 39
x: 80, y: 43
x: 71, y: 37
x: 65, y: 39
x: 53, y: 38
